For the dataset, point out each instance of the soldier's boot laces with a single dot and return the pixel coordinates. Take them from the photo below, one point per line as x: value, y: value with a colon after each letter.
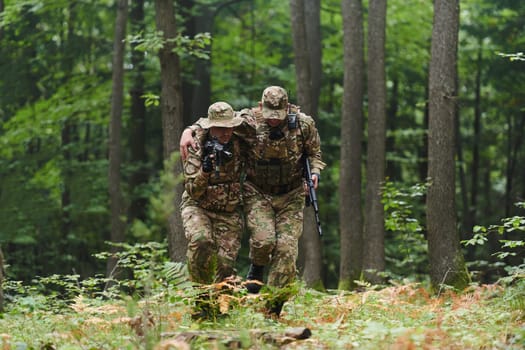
x: 254, y: 279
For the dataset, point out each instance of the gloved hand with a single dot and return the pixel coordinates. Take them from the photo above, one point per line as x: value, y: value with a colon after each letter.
x: 207, y: 163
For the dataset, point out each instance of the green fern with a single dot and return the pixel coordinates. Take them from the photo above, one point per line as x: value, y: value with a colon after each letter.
x: 176, y: 273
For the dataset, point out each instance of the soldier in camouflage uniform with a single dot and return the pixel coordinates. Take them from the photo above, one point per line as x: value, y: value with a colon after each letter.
x: 210, y: 203
x: 273, y: 196
x: 274, y: 205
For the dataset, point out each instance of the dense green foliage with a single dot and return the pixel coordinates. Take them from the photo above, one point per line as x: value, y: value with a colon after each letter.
x: 55, y: 72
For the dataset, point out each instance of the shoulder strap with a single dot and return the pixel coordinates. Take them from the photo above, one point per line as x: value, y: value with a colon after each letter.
x: 298, y: 118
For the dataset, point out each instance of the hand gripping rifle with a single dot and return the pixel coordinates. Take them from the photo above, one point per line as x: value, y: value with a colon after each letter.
x: 312, y: 196
x: 220, y: 154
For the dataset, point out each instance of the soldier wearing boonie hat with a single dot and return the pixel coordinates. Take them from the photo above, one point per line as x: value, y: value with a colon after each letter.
x: 220, y: 115
x: 210, y: 203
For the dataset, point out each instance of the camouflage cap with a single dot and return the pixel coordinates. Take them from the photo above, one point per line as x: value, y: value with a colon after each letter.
x: 221, y: 114
x: 274, y: 103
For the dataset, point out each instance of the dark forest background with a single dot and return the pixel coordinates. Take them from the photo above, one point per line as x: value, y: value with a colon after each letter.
x: 57, y: 102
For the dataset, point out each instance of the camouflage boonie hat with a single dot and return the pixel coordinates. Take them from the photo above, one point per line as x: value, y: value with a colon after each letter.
x: 274, y: 103
x: 221, y: 114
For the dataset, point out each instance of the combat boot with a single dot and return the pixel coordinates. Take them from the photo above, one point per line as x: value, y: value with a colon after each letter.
x: 254, y: 279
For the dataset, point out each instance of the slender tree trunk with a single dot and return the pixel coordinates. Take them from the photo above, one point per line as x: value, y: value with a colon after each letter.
x: 508, y: 176
x: 310, y: 238
x: 374, y: 227
x: 172, y: 122
x: 514, y: 140
x: 137, y: 124
x: 115, y: 126
x: 1, y: 11
x: 350, y: 215
x: 1, y: 254
x: 201, y: 96
x: 1, y: 278
x: 65, y: 197
x: 67, y: 134
x: 301, y: 57
x: 312, y: 12
x: 312, y: 268
x: 392, y: 170
x: 466, y: 223
x: 477, y: 144
x: 197, y: 89
x: 447, y: 264
x: 423, y: 151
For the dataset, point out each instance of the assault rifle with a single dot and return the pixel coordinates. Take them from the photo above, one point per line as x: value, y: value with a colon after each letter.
x: 312, y: 196
x: 219, y: 151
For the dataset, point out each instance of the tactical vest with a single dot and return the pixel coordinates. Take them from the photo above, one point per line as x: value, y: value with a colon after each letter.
x: 275, y: 165
x: 223, y: 192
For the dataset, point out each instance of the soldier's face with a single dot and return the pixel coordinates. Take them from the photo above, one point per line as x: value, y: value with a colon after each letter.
x: 223, y: 135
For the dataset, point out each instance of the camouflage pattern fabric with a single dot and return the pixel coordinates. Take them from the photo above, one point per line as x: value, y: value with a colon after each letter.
x: 275, y: 223
x: 274, y: 194
x: 214, y: 239
x: 211, y: 214
x: 214, y: 191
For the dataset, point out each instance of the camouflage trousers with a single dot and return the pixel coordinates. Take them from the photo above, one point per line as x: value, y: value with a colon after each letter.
x: 214, y: 239
x: 275, y: 223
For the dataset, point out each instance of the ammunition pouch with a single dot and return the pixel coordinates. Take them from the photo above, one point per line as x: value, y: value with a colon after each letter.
x: 224, y: 197
x: 274, y: 176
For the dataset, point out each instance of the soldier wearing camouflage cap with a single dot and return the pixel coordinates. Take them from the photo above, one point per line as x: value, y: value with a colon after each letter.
x: 274, y: 204
x: 210, y: 203
x: 273, y: 195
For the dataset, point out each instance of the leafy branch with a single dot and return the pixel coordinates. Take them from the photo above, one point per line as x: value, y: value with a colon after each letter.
x: 519, y: 56
x: 508, y: 247
x: 182, y: 44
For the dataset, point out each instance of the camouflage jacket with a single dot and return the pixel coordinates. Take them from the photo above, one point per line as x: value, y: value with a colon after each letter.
x: 218, y: 190
x: 274, y: 163
x: 275, y: 166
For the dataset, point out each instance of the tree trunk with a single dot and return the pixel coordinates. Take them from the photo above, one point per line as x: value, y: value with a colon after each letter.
x: 137, y: 123
x: 423, y: 151
x: 312, y: 12
x: 374, y: 227
x: 67, y: 135
x: 197, y: 89
x: 350, y: 215
x: 466, y: 223
x: 392, y: 171
x: 1, y: 279
x: 201, y: 96
x: 310, y: 238
x: 301, y: 58
x: 65, y: 196
x: 1, y: 11
x: 470, y: 212
x: 447, y: 264
x: 115, y: 195
x: 516, y: 127
x: 172, y: 122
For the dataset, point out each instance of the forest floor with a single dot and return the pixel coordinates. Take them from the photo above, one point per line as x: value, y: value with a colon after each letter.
x: 396, y: 317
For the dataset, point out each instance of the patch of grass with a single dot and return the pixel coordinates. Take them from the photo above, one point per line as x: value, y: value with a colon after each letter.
x: 401, y: 317
x: 161, y: 309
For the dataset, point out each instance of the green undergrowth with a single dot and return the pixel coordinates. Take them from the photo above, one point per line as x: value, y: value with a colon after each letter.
x: 154, y: 306
x: 401, y: 316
